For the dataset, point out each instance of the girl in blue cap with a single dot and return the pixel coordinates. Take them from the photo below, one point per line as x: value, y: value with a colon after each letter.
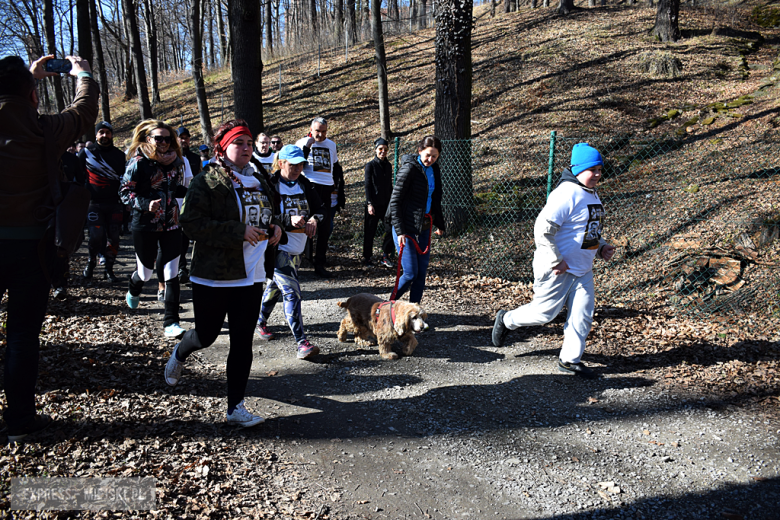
x: 568, y: 239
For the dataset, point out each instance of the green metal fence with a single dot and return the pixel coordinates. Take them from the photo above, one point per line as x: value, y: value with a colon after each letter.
x: 694, y: 217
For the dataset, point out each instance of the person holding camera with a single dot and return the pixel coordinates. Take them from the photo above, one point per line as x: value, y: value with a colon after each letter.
x: 26, y: 209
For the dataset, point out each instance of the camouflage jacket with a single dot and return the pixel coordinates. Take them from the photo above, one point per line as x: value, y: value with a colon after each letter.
x: 146, y: 180
x: 210, y: 216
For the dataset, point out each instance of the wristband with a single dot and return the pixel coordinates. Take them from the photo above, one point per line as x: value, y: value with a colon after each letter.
x: 85, y: 74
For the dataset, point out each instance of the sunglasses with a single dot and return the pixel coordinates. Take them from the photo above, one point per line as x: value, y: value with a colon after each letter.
x: 276, y: 142
x: 161, y: 138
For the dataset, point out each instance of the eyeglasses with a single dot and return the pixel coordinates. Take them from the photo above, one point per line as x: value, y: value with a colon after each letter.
x: 161, y: 138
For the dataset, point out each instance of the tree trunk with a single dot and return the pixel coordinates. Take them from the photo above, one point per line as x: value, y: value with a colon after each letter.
x: 667, y: 17
x: 338, y: 20
x: 591, y: 3
x: 134, y: 40
x: 365, y: 25
x: 394, y: 13
x: 151, y: 44
x: 313, y: 18
x: 351, y: 21
x: 100, y: 63
x: 83, y: 30
x: 565, y: 7
x: 452, y: 112
x: 197, y: 72
x: 269, y: 41
x: 223, y: 46
x: 212, y: 57
x: 247, y: 63
x: 51, y: 48
x: 381, y: 68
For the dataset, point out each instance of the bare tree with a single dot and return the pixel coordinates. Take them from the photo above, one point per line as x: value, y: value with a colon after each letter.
x: 151, y: 45
x: 667, y: 16
x: 134, y: 38
x: 51, y: 48
x: 100, y: 63
x: 269, y: 41
x: 452, y: 111
x: 381, y: 67
x: 246, y: 62
x: 197, y: 71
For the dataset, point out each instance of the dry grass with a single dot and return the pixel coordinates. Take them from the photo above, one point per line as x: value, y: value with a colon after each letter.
x: 533, y: 72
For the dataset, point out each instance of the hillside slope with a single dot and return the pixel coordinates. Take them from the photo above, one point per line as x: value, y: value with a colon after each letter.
x: 533, y: 72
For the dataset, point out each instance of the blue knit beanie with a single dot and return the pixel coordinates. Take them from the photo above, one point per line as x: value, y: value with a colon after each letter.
x: 584, y: 156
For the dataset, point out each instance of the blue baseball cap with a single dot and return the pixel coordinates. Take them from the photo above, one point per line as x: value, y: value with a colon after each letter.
x: 203, y: 148
x: 292, y: 154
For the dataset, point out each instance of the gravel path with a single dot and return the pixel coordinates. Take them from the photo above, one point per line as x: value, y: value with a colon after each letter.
x: 465, y: 430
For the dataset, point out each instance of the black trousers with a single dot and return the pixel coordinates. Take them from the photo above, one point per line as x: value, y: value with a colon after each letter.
x: 146, y: 245
x: 241, y: 305
x: 323, y: 227
x: 22, y: 275
x: 370, y: 225
x: 104, y: 220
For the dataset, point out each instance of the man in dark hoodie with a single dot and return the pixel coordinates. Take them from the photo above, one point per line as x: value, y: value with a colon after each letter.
x: 105, y: 165
x: 26, y: 240
x: 568, y: 239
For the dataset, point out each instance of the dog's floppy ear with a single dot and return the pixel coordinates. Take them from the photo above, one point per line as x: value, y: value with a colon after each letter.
x: 403, y: 319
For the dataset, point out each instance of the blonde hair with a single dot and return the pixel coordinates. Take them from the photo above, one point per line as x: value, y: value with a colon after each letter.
x: 275, y: 166
x: 142, y: 132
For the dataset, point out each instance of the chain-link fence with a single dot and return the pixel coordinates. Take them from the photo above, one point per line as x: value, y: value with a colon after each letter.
x: 694, y: 218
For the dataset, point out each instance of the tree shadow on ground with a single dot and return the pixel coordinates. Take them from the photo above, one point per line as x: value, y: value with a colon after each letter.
x: 756, y: 500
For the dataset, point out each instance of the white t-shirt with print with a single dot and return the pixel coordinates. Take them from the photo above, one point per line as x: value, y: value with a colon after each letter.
x: 580, y: 215
x: 322, y: 157
x: 255, y: 208
x: 294, y: 203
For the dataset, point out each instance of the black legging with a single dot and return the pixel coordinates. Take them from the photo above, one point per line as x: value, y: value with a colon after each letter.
x: 323, y: 227
x: 146, y: 243
x: 369, y: 232
x: 242, y: 307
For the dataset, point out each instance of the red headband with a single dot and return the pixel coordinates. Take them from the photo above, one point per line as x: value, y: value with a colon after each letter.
x: 232, y: 134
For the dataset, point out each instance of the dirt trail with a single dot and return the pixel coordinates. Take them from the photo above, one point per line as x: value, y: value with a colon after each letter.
x: 465, y: 430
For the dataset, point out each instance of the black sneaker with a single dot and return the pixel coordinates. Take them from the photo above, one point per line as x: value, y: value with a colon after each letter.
x: 499, y: 329
x: 387, y: 263
x: 322, y: 272
x: 110, y: 276
x: 368, y: 263
x: 577, y: 369
x: 38, y: 423
x: 89, y: 269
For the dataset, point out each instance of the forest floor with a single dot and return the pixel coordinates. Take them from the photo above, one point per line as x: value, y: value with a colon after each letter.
x: 684, y: 423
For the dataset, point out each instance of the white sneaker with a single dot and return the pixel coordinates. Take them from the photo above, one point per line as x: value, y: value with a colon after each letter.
x: 242, y: 417
x: 174, y: 331
x: 173, y: 368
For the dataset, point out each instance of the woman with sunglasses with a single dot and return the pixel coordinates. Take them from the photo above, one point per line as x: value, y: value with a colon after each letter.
x: 153, y: 180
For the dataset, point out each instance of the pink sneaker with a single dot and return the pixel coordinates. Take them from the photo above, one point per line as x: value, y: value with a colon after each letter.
x: 307, y: 350
x: 263, y: 332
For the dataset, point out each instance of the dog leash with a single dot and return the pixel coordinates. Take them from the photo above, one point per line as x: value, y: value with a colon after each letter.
x: 419, y: 252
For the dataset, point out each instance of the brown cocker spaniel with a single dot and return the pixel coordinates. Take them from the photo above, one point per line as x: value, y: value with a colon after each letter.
x: 388, y: 322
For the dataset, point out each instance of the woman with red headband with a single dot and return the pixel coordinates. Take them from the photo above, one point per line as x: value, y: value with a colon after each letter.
x: 232, y: 215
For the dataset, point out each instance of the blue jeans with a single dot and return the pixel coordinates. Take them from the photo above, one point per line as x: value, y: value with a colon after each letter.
x: 22, y: 276
x: 415, y: 266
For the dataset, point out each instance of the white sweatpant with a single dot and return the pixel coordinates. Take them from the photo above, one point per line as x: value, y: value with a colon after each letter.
x: 551, y: 292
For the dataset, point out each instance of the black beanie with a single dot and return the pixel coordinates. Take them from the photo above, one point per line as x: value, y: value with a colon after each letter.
x: 104, y: 124
x: 381, y: 142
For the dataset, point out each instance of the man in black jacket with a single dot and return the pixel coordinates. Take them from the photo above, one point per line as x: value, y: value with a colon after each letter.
x: 105, y: 165
x: 379, y: 187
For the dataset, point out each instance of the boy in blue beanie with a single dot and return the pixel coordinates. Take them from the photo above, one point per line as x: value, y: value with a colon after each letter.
x: 568, y: 238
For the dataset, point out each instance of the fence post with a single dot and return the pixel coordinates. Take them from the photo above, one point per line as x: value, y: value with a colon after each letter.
x: 395, y: 157
x: 551, y: 165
